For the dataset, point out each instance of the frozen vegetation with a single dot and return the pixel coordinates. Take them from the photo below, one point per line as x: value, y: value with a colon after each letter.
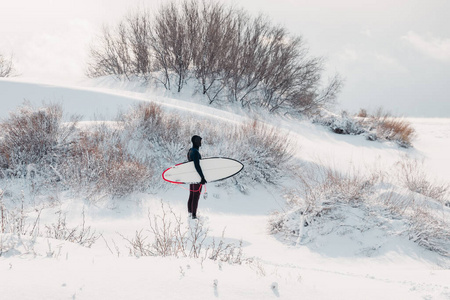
x: 314, y: 214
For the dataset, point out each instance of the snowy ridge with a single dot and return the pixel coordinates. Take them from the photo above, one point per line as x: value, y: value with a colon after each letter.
x: 356, y: 252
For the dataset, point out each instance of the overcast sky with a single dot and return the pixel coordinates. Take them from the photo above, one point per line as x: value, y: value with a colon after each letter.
x: 392, y: 54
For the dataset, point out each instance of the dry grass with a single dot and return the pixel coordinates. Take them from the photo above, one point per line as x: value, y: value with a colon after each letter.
x: 391, y: 128
x: 171, y: 237
x: 399, y: 130
x: 413, y: 177
x: 362, y: 113
x: 430, y: 232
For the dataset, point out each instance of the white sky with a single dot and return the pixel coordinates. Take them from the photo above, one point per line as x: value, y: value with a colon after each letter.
x: 392, y: 54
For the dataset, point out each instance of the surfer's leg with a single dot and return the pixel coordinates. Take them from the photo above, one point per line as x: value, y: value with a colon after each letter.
x: 196, y: 190
x: 191, y: 196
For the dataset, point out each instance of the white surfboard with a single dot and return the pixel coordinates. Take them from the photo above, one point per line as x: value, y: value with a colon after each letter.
x: 214, y: 169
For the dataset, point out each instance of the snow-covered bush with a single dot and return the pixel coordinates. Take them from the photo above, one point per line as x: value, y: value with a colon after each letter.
x: 82, y: 235
x: 413, y: 177
x: 171, y: 237
x: 164, y: 138
x: 426, y: 223
x: 321, y: 191
x: 396, y: 129
x: 341, y: 124
x: 35, y: 141
x: 6, y: 66
x: 126, y: 156
x: 20, y: 226
x: 13, y: 220
x: 430, y: 231
x: 102, y: 162
x: 263, y: 150
x: 328, y: 202
x: 163, y: 134
x: 380, y: 126
x: 38, y: 145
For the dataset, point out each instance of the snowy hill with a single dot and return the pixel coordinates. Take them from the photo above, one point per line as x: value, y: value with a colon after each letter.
x: 334, y: 249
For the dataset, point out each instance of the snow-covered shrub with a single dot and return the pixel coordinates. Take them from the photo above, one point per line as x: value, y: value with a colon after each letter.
x: 328, y: 201
x: 424, y: 219
x: 82, y: 235
x: 159, y: 130
x: 413, y: 177
x: 171, y: 237
x: 122, y: 157
x: 13, y: 225
x: 17, y: 229
x: 13, y: 220
x: 321, y: 191
x: 102, y: 162
x: 263, y: 150
x: 164, y: 138
x: 397, y: 130
x: 430, y: 231
x: 387, y: 127
x: 380, y: 126
x: 6, y: 66
x: 341, y: 124
x: 35, y: 141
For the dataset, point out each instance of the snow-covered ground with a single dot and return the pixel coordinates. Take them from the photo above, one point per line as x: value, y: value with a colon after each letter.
x: 376, y: 262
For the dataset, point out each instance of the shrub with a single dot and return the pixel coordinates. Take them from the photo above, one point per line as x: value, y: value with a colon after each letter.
x: 147, y: 121
x: 325, y: 199
x: 398, y: 130
x: 340, y: 124
x: 320, y: 192
x: 173, y: 238
x: 263, y: 149
x: 387, y: 127
x: 127, y: 156
x: 81, y: 235
x: 18, y: 231
x: 164, y: 138
x: 102, y: 162
x: 362, y: 113
x: 430, y: 232
x: 6, y: 66
x: 413, y: 177
x: 380, y: 126
x: 35, y: 141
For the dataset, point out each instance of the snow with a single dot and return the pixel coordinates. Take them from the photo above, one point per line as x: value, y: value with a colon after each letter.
x: 365, y: 255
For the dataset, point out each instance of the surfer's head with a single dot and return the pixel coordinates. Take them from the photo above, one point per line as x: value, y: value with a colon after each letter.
x: 196, y: 141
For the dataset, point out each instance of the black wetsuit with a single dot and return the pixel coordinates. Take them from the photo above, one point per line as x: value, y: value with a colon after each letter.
x: 195, y: 189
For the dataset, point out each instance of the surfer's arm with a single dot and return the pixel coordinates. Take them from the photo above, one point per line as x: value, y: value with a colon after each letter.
x: 196, y: 160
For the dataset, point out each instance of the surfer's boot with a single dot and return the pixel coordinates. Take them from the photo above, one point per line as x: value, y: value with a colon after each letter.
x: 194, y: 217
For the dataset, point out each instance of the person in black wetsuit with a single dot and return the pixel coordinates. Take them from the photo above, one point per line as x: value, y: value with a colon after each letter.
x: 195, y: 189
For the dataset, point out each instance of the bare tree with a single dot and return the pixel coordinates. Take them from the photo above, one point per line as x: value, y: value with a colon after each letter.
x: 6, y: 66
x: 139, y: 28
x: 231, y: 55
x: 170, y: 42
x: 249, y: 59
x: 111, y: 56
x: 214, y: 38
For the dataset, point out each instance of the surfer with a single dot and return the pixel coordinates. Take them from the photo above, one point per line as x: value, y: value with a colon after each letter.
x: 195, y: 189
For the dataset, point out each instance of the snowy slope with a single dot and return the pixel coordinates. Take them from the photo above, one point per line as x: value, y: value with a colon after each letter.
x: 377, y: 263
